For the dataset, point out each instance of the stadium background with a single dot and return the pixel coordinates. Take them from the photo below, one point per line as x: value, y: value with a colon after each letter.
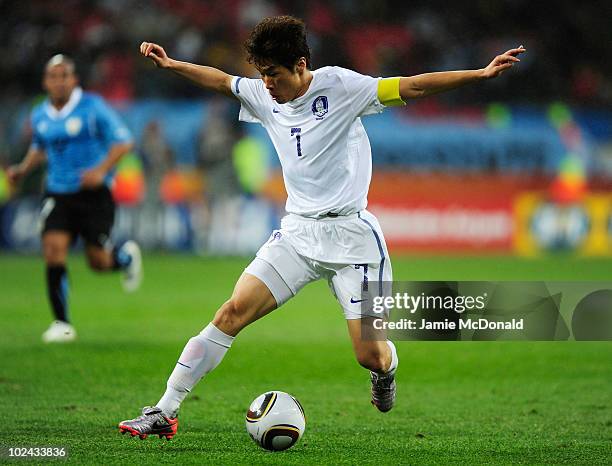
x: 521, y: 164
x: 505, y: 180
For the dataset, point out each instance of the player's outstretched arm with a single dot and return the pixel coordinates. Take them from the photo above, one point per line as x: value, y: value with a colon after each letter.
x: 33, y: 158
x: 205, y: 76
x: 426, y: 84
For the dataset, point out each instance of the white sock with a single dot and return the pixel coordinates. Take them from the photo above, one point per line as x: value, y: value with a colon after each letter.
x: 201, y: 355
x: 394, y: 358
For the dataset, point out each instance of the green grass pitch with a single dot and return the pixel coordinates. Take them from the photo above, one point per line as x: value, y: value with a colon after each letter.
x: 458, y: 402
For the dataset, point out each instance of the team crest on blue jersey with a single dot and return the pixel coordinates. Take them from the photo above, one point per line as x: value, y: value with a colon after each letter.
x: 320, y: 107
x: 73, y: 126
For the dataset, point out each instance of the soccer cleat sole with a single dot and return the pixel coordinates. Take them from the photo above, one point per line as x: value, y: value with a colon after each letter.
x: 382, y: 410
x: 128, y: 430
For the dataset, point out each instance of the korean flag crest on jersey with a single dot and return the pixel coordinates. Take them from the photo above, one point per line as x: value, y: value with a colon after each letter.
x: 320, y: 107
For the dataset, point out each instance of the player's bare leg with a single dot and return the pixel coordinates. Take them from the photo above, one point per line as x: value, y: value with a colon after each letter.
x: 126, y: 258
x: 99, y: 259
x: 55, y: 246
x: 250, y: 301
x: 381, y: 359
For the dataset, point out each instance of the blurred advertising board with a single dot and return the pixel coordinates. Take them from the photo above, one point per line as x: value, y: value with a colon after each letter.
x: 457, y: 226
x: 446, y: 213
x: 583, y: 226
x: 418, y: 212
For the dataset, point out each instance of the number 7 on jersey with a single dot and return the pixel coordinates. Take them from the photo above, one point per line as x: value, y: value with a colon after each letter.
x: 298, y: 137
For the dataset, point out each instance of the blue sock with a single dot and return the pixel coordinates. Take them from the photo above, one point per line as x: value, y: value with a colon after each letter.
x: 57, y: 290
x: 121, y: 259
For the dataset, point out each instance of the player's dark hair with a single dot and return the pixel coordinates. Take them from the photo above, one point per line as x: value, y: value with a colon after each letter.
x: 278, y: 40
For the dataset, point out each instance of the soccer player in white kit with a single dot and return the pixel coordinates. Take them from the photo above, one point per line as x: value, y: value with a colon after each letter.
x: 313, y: 118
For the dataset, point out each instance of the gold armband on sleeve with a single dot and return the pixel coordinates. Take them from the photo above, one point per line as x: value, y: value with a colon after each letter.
x: 388, y: 92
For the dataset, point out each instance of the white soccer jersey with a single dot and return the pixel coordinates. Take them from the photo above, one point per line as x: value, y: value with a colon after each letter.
x: 319, y: 138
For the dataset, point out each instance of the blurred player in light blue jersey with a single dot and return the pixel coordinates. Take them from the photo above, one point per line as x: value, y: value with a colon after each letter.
x: 82, y: 139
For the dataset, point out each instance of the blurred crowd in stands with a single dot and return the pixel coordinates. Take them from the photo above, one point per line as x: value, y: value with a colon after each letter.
x: 567, y: 64
x: 569, y: 54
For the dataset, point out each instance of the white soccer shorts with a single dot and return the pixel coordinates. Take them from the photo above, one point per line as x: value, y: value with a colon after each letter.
x: 349, y: 251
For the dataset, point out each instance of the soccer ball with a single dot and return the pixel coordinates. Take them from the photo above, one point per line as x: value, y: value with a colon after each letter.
x: 275, y: 421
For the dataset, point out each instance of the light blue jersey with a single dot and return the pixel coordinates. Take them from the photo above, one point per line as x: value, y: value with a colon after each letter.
x: 75, y: 138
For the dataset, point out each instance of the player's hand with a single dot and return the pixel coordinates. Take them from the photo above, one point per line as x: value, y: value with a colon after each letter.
x: 156, y: 53
x: 14, y: 173
x: 92, y: 178
x: 502, y: 62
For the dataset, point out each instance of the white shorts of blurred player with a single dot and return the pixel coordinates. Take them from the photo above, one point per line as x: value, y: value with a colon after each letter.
x: 349, y: 251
